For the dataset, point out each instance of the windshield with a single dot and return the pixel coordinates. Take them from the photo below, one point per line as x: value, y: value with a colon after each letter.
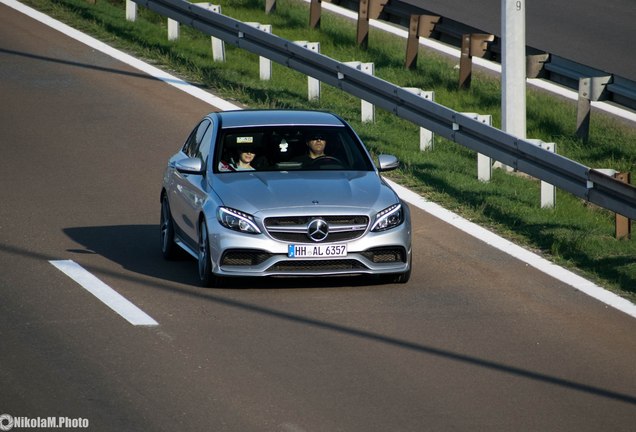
x: 287, y: 148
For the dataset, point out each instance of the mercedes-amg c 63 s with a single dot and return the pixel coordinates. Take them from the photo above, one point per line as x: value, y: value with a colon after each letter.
x: 283, y: 193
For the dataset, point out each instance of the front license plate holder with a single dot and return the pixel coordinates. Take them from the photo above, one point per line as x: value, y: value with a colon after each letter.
x: 317, y: 250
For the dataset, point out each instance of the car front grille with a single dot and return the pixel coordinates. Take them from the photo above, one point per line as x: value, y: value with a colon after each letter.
x: 295, y: 229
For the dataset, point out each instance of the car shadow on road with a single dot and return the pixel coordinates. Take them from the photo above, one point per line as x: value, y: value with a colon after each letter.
x: 136, y: 248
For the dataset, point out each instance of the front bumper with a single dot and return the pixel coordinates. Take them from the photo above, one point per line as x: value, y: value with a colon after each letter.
x: 374, y: 253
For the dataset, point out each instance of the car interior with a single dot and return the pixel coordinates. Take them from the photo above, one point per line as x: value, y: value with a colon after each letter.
x: 279, y: 149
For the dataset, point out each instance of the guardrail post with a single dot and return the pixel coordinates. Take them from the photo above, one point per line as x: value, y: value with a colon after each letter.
x: 623, y: 224
x: 419, y: 26
x: 535, y: 65
x: 270, y: 6
x: 427, y: 138
x: 473, y: 45
x: 548, y: 191
x: 484, y: 163
x: 367, y: 9
x: 367, y: 109
x: 173, y: 29
x: 218, y: 45
x: 313, y: 85
x: 264, y: 64
x: 131, y: 11
x: 362, y: 33
x: 590, y: 89
x: 315, y: 9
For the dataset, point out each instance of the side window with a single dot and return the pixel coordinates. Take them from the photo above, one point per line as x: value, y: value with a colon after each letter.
x: 191, y: 147
x: 205, y: 144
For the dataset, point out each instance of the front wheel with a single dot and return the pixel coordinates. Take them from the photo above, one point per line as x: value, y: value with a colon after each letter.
x: 206, y: 277
x: 166, y: 226
x: 400, y: 278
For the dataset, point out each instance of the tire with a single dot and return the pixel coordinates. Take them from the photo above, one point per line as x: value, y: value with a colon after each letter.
x: 404, y: 277
x: 401, y: 278
x: 206, y: 277
x: 169, y: 248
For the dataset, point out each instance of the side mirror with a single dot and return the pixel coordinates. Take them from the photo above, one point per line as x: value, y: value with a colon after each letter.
x: 387, y: 162
x: 190, y: 166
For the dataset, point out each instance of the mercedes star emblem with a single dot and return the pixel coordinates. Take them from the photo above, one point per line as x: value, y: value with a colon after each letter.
x: 317, y: 230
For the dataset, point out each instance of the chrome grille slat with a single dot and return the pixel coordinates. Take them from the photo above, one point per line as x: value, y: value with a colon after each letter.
x: 294, y: 228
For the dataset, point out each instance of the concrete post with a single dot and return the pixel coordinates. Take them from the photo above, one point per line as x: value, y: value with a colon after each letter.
x: 484, y: 163
x: 427, y: 138
x: 513, y: 67
x: 367, y: 109
x: 548, y: 191
x: 313, y: 85
x: 173, y: 29
x: 264, y: 64
x: 131, y: 11
x: 218, y: 45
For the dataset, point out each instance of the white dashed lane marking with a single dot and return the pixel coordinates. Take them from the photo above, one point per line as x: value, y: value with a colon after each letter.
x: 104, y: 293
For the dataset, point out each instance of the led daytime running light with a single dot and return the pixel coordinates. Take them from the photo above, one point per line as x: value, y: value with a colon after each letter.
x: 237, y: 221
x: 388, y: 218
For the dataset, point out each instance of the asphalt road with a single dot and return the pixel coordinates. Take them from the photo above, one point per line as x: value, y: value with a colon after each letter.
x: 476, y: 341
x: 593, y: 33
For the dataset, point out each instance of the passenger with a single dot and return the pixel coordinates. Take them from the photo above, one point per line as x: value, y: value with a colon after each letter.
x: 245, y: 159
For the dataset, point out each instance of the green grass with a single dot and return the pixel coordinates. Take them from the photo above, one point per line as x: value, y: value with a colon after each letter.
x: 574, y: 234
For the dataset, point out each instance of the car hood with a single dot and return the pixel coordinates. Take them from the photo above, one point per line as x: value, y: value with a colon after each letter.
x: 262, y: 191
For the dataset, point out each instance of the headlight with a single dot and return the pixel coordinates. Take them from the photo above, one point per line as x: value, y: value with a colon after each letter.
x: 236, y: 220
x: 388, y: 218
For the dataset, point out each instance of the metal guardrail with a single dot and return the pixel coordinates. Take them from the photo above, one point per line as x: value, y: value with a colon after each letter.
x: 619, y: 90
x: 593, y: 85
x: 521, y: 154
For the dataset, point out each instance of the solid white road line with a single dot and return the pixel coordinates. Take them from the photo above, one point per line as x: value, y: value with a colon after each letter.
x: 516, y: 251
x: 451, y: 218
x: 106, y: 294
x: 121, y: 56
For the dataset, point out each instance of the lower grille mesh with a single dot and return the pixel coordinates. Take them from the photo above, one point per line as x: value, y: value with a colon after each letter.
x: 313, y: 265
x: 385, y: 255
x: 244, y: 257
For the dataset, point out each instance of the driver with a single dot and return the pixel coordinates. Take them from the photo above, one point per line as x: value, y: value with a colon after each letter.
x: 316, y: 144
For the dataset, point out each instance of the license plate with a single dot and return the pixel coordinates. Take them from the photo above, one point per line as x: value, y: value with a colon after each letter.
x: 316, y: 251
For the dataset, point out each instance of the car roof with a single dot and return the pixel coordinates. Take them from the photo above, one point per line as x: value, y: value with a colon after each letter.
x: 265, y: 117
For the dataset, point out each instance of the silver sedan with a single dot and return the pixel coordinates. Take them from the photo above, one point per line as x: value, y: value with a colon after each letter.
x: 282, y: 193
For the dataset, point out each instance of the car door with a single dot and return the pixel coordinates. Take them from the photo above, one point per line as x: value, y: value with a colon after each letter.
x: 189, y: 192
